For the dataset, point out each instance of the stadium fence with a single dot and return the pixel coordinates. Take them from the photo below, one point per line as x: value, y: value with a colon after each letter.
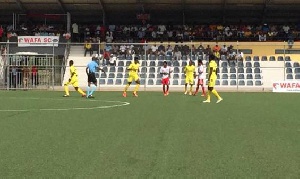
x: 260, y: 66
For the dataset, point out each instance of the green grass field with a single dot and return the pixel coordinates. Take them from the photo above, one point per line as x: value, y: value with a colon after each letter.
x: 248, y: 135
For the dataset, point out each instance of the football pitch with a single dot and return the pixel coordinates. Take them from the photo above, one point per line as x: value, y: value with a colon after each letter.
x: 247, y: 135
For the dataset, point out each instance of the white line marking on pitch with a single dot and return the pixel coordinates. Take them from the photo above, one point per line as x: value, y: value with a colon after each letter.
x: 67, y: 109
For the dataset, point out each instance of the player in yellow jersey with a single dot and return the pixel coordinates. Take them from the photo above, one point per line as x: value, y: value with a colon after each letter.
x: 133, y: 76
x: 73, y: 80
x: 190, y: 74
x: 212, y: 77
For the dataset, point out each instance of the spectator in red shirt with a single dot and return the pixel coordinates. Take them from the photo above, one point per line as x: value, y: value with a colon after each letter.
x: 1, y: 33
x: 34, y: 77
x: 106, y: 57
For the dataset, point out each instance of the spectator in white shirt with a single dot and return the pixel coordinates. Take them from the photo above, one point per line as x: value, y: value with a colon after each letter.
x: 154, y: 49
x: 286, y: 28
x: 170, y: 35
x: 112, y: 60
x: 154, y: 35
x: 262, y: 37
x: 177, y: 54
x: 123, y: 50
x: 224, y: 50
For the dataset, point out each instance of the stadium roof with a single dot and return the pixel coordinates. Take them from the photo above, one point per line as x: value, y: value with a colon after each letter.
x: 161, y: 11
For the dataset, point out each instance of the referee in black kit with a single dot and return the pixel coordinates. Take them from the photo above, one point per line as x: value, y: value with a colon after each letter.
x: 92, y: 81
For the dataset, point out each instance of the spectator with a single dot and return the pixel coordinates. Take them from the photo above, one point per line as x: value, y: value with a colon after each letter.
x: 112, y: 60
x: 88, y: 47
x: 75, y: 32
x: 286, y: 28
x: 67, y: 35
x: 262, y: 37
x: 216, y: 48
x: 34, y: 77
x: 26, y: 74
x: 13, y: 77
x: 154, y: 49
x: 200, y: 50
x: 106, y: 57
x: 170, y: 35
x: 239, y: 56
x: 161, y: 49
x: 177, y: 54
x: 129, y: 50
x: 1, y: 33
x: 123, y: 50
x: 224, y: 50
x: 109, y: 37
x: 170, y: 50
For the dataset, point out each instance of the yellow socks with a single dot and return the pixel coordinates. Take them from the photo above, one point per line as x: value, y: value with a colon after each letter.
x: 208, y: 95
x: 191, y: 88
x: 216, y: 93
x: 80, y: 91
x: 66, y: 90
x: 136, y: 88
x: 126, y: 87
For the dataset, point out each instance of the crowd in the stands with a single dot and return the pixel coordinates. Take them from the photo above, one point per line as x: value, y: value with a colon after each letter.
x: 148, y: 32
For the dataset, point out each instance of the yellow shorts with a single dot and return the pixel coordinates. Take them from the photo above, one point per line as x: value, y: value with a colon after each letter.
x: 133, y: 77
x: 73, y: 82
x: 189, y: 80
x: 212, y: 82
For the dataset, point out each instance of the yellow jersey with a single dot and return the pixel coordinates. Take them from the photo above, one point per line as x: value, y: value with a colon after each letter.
x: 214, y: 66
x: 73, y: 71
x: 133, y: 68
x: 189, y: 70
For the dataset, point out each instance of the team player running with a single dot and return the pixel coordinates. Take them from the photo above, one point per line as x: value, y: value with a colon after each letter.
x: 73, y: 80
x: 165, y: 72
x: 201, y: 78
x: 212, y: 77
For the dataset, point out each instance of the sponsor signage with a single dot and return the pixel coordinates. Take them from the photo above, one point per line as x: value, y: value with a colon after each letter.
x: 35, y: 41
x: 287, y: 86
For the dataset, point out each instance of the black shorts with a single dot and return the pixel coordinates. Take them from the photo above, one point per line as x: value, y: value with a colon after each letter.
x: 92, y: 78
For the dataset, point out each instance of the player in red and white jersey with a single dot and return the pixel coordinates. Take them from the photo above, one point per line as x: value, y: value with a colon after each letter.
x: 165, y: 72
x: 201, y: 78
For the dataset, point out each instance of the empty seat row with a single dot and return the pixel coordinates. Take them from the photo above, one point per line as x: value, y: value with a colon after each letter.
x: 180, y: 69
x: 241, y: 70
x: 293, y: 70
x: 241, y: 64
x: 178, y: 76
x: 265, y: 58
x: 289, y: 64
x: 111, y: 81
x: 291, y: 76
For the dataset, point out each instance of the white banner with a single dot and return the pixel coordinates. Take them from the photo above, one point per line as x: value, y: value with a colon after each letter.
x: 35, y: 41
x: 287, y: 86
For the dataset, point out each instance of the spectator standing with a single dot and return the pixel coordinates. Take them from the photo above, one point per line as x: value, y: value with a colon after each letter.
x: 1, y: 33
x: 75, y: 32
x: 34, y: 77
x: 88, y: 47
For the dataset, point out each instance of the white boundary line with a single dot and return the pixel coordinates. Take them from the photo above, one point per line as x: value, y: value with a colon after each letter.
x: 66, y: 109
